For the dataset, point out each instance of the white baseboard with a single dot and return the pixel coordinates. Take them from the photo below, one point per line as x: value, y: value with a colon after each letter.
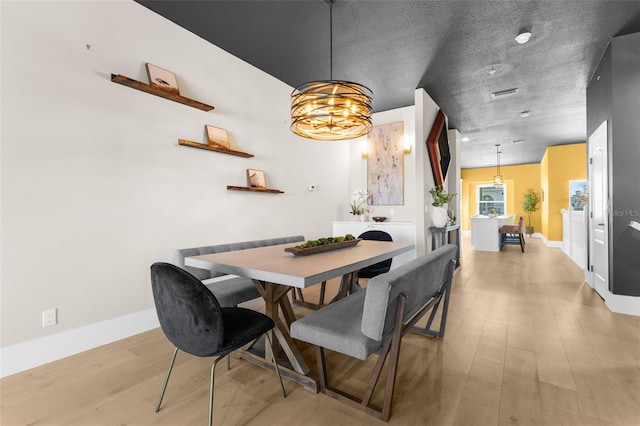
x: 23, y: 356
x: 629, y: 305
x: 548, y: 243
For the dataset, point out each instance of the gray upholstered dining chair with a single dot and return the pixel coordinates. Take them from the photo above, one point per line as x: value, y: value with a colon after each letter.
x: 192, y: 319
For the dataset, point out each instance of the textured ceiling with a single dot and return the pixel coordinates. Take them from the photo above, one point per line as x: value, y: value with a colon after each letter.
x: 458, y: 51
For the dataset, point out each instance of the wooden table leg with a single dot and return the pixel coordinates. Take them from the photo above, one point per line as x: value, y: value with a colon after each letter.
x: 348, y: 285
x: 276, y: 301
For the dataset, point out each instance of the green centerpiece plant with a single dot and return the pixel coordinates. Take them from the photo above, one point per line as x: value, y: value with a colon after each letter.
x: 530, y: 202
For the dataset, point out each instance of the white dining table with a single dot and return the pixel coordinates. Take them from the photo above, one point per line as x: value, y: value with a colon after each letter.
x: 275, y: 271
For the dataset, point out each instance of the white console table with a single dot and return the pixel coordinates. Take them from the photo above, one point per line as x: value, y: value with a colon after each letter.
x: 401, y: 232
x: 484, y: 232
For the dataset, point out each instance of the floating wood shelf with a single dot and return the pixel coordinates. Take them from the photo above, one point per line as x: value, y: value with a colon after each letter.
x: 192, y: 144
x: 138, y: 85
x: 246, y: 188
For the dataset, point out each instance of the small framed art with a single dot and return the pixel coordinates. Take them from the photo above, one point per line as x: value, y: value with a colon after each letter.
x: 162, y: 79
x: 217, y: 137
x: 255, y: 179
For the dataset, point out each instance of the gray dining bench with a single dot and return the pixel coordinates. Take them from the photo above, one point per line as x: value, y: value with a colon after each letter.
x: 373, y: 321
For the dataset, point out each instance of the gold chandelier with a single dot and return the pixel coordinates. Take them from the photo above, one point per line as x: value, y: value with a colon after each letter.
x: 331, y: 109
x: 497, y: 179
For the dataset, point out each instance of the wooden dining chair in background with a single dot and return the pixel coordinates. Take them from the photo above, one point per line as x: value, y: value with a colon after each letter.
x: 512, y: 234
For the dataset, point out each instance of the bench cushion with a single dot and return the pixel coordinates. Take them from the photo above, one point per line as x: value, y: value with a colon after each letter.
x: 233, y: 291
x: 337, y: 327
x: 419, y: 280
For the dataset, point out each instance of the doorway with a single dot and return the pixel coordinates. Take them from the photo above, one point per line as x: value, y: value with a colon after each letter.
x: 599, y: 210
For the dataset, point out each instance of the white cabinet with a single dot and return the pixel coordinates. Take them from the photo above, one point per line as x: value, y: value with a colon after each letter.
x: 402, y: 232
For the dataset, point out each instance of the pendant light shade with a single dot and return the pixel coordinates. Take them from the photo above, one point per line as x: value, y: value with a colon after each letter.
x: 331, y: 110
x: 497, y: 179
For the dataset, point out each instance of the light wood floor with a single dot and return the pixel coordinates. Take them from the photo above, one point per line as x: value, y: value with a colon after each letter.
x: 527, y: 342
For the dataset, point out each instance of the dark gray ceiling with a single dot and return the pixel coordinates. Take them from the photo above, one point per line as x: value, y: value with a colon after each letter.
x: 458, y: 51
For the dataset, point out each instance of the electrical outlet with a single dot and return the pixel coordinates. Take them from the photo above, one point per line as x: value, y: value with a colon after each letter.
x: 49, y: 317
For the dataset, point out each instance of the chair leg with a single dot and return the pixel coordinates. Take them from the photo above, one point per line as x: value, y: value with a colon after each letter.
x: 166, y: 380
x: 275, y: 364
x: 213, y: 370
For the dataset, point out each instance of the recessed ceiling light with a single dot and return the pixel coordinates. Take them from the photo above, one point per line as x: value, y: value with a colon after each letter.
x: 518, y: 141
x: 525, y: 114
x: 523, y: 37
x: 466, y: 139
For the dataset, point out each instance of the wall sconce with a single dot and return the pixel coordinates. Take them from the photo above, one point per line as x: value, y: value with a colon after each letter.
x: 363, y: 151
x: 407, y: 145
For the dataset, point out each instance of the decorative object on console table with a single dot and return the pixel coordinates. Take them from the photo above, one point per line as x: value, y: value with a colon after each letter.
x: 162, y: 79
x: 385, y: 164
x: 438, y: 148
x: 530, y: 202
x: 439, y: 213
x: 359, y: 204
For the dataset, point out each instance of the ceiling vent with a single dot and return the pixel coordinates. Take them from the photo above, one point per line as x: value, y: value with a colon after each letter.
x: 504, y: 93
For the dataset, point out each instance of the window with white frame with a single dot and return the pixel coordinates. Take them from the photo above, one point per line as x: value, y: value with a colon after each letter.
x: 491, y: 200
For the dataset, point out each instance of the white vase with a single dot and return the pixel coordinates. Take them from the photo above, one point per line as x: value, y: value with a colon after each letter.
x: 439, y: 217
x: 362, y: 218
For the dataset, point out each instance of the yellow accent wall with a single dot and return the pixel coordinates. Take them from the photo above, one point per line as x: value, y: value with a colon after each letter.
x: 517, y: 179
x: 550, y: 179
x: 544, y: 193
x: 564, y: 163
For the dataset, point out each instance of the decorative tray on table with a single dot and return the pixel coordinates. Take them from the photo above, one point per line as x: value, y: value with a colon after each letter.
x: 322, y: 245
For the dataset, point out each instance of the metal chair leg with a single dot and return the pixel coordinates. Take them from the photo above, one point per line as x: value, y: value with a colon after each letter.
x: 275, y: 363
x: 166, y: 380
x: 213, y: 370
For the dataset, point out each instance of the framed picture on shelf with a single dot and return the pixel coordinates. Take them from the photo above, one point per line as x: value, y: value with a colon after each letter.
x: 255, y: 179
x: 217, y: 137
x: 162, y: 79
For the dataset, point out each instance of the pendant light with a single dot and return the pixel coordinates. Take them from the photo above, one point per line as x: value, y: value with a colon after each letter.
x: 497, y: 179
x: 331, y: 110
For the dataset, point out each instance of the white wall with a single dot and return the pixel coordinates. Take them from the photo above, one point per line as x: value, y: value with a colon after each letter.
x: 94, y: 185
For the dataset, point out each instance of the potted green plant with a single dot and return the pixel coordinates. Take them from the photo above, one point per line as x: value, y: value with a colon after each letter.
x: 439, y: 199
x: 358, y: 206
x: 530, y: 202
